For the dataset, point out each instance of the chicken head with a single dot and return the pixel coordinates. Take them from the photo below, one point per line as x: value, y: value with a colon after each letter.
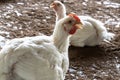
x: 72, y: 23
x: 57, y: 6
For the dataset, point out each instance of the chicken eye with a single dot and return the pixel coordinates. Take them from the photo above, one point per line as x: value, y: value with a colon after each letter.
x: 70, y: 22
x: 58, y: 4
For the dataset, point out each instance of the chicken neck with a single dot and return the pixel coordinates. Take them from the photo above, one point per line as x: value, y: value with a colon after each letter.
x: 61, y: 38
x: 60, y: 14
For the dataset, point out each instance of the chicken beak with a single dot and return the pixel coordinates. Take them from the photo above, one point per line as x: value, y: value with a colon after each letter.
x: 52, y: 5
x: 79, y: 25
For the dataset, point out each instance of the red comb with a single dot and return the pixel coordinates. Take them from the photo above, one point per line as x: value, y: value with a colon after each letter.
x: 74, y: 16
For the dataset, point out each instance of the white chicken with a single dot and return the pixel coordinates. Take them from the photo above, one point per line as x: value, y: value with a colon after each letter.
x: 59, y: 9
x: 93, y: 31
x: 40, y: 57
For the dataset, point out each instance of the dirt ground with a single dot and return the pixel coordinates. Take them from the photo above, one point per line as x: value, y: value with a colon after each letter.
x: 21, y: 18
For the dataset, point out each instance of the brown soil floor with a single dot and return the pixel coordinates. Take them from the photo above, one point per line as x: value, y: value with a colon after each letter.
x: 21, y: 18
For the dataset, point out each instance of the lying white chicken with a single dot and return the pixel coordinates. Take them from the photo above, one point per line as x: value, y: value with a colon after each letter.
x: 93, y: 31
x: 40, y: 57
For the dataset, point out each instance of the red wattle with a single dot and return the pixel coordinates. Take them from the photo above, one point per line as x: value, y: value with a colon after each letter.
x: 73, y: 30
